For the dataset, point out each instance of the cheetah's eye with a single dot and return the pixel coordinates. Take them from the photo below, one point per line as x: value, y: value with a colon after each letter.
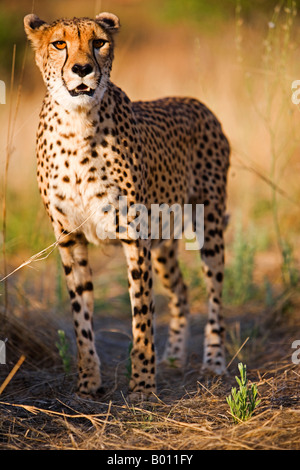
x: 98, y: 43
x: 60, y: 45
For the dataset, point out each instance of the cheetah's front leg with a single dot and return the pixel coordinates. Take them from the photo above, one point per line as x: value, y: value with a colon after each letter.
x: 74, y: 255
x: 138, y: 255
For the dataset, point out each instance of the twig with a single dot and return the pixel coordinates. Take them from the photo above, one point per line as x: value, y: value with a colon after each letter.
x: 264, y: 178
x: 106, y: 418
x: 228, y: 365
x: 93, y: 418
x: 12, y: 373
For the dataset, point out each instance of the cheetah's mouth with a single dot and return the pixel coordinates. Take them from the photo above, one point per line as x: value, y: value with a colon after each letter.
x: 82, y: 89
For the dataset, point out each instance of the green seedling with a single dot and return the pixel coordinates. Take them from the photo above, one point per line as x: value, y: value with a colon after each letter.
x: 63, y: 349
x: 242, y: 402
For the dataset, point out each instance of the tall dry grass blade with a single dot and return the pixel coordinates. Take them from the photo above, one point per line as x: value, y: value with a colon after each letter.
x: 43, y: 254
x: 229, y: 364
x: 95, y: 419
x: 12, y: 118
x: 46, y: 252
x: 98, y: 7
x: 12, y: 373
x: 263, y: 177
x: 7, y: 159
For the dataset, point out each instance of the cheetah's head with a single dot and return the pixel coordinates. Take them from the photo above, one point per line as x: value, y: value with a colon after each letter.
x: 75, y: 57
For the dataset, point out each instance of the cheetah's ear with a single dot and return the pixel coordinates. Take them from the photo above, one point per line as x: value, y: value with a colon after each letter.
x: 34, y: 27
x: 108, y: 21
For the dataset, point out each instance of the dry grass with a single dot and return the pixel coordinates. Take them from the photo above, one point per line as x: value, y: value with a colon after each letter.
x: 198, y: 420
x: 40, y: 408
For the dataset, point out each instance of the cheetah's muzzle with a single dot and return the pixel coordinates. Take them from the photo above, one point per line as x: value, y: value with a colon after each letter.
x: 82, y: 89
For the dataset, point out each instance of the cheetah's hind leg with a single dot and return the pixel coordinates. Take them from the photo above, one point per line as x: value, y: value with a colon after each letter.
x: 165, y: 259
x: 212, y: 255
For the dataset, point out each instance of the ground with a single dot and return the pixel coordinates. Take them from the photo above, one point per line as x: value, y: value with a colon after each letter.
x: 246, y: 80
x: 40, y: 408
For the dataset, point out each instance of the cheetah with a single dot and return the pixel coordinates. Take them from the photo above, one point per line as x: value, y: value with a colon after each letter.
x: 94, y: 146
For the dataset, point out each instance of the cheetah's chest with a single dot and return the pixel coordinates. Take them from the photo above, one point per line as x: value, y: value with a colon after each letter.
x: 80, y: 190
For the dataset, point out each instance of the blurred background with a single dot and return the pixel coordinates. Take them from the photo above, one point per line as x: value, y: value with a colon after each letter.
x: 238, y: 57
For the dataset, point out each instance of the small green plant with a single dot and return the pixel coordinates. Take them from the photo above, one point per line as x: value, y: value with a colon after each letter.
x: 172, y: 362
x: 238, y: 282
x: 289, y: 270
x: 242, y: 402
x: 63, y: 349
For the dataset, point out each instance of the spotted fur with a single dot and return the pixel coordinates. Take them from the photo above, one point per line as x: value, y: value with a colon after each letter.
x: 95, y: 145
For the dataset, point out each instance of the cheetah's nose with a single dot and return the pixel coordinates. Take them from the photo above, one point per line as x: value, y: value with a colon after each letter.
x: 82, y: 70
